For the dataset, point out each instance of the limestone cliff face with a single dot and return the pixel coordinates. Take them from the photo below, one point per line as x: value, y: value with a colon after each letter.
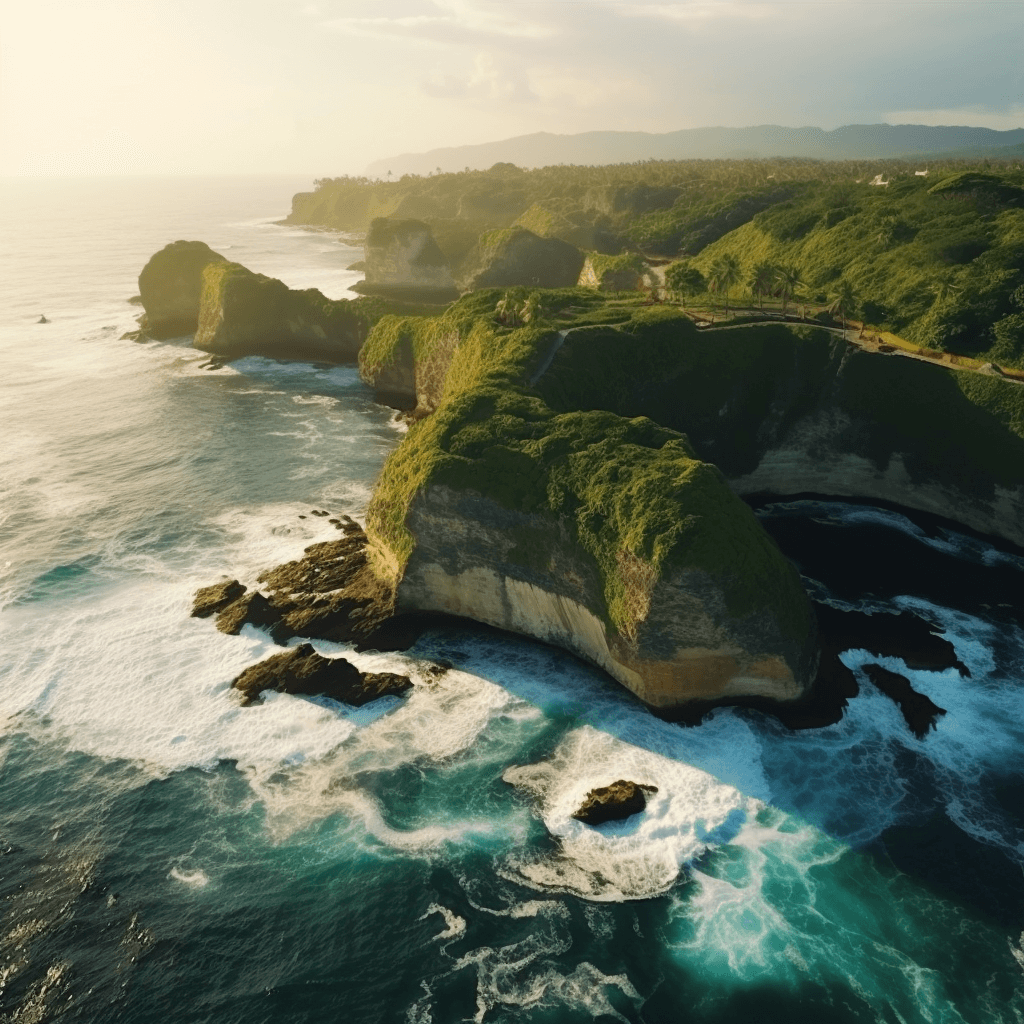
x: 170, y: 286
x: 243, y: 313
x: 475, y: 558
x: 402, y: 256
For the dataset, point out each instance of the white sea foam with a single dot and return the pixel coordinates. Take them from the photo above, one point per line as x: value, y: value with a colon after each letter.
x: 196, y: 879
x: 642, y: 855
x: 456, y: 926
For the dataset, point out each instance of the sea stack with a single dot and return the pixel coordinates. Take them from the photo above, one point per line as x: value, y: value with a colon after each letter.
x: 170, y: 286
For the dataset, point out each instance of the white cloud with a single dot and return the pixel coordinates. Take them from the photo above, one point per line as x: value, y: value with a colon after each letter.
x: 974, y: 117
x: 694, y: 12
x: 447, y: 22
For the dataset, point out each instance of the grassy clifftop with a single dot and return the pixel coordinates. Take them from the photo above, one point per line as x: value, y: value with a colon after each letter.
x: 632, y: 494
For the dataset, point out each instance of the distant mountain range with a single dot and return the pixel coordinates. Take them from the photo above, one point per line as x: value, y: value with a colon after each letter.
x: 851, y: 142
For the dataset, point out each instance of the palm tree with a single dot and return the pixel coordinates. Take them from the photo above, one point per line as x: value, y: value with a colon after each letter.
x: 723, y: 275
x: 844, y: 300
x: 788, y: 280
x: 762, y: 282
x: 728, y: 276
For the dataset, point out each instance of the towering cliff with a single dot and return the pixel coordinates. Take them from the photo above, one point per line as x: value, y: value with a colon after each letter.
x: 402, y: 258
x: 601, y: 534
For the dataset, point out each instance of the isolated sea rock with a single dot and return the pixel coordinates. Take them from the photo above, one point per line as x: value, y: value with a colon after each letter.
x: 242, y: 313
x: 403, y: 260
x: 510, y: 257
x: 170, y: 286
x: 302, y: 671
x: 615, y: 802
x: 215, y: 598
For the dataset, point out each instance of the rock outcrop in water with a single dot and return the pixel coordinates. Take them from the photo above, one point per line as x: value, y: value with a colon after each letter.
x: 302, y: 671
x: 614, y: 802
x: 170, y: 287
x: 242, y: 313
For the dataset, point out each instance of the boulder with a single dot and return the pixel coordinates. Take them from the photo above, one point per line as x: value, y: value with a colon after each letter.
x: 242, y: 313
x: 170, y: 286
x: 304, y: 672
x: 402, y: 259
x: 514, y: 256
x: 216, y: 598
x: 613, y: 803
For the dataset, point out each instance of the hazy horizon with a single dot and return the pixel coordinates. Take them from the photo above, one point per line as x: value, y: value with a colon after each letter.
x: 330, y: 86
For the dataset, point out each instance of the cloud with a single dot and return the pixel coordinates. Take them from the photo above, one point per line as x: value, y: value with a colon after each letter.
x: 485, y: 81
x: 975, y: 117
x: 448, y: 22
x: 692, y: 12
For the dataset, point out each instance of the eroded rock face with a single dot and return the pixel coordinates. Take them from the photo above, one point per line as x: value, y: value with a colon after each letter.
x: 620, y: 800
x: 170, y: 287
x: 471, y: 559
x: 242, y: 313
x: 512, y: 257
x: 303, y: 671
x: 401, y: 256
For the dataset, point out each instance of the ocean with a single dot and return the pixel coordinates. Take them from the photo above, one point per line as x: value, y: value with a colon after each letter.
x: 168, y: 855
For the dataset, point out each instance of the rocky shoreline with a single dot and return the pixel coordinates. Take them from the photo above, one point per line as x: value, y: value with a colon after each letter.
x: 518, y: 503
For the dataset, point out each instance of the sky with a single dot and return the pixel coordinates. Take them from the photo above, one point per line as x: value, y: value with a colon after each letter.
x: 325, y: 87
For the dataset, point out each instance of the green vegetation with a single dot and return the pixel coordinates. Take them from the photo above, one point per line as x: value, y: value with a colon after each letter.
x: 725, y: 389
x: 938, y: 265
x: 932, y: 258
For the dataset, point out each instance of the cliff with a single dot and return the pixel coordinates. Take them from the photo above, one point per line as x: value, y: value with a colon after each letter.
x: 784, y: 410
x: 508, y: 257
x: 242, y: 313
x: 402, y: 258
x: 601, y: 534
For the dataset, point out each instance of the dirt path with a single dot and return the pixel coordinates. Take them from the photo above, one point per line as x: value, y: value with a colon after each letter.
x: 879, y: 342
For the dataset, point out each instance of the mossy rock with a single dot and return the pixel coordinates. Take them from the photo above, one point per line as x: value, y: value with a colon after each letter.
x: 243, y: 313
x: 171, y: 285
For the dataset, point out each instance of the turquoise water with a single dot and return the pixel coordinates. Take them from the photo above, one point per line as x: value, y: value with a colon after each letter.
x: 168, y: 855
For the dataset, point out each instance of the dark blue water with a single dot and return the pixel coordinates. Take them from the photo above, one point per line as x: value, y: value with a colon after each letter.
x: 168, y: 855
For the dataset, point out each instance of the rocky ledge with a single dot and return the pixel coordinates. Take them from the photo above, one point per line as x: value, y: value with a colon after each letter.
x: 328, y: 594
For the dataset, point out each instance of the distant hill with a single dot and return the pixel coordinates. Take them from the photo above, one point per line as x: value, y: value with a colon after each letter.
x: 851, y: 142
